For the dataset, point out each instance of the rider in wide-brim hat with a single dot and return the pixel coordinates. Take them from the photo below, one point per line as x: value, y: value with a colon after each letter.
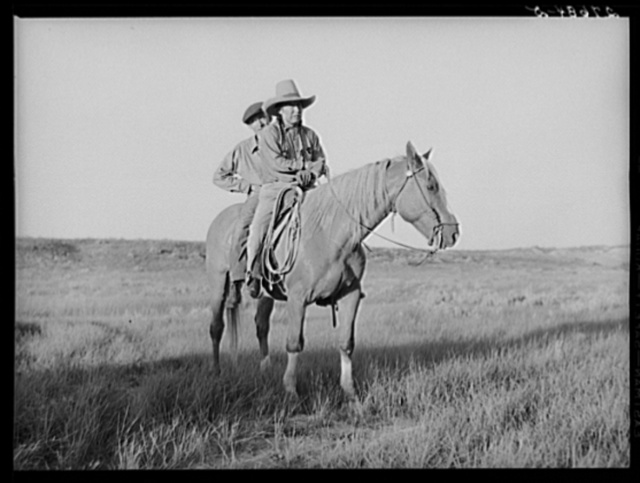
x: 286, y: 93
x: 292, y: 155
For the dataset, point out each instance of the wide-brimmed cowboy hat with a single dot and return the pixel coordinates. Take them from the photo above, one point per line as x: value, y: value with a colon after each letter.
x: 286, y: 92
x: 253, y: 110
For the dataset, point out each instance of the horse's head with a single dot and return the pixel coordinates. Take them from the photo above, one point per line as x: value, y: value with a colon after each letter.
x: 420, y: 199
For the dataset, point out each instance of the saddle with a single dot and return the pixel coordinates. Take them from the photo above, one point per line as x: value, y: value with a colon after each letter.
x: 281, y: 242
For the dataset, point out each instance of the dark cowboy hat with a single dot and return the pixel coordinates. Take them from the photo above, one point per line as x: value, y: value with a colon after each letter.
x: 286, y: 92
x: 253, y: 110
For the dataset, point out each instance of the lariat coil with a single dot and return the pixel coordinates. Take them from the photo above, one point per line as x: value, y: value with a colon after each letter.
x: 284, y: 228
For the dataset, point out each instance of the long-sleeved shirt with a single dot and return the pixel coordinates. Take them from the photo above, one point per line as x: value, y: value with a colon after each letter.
x: 285, y: 151
x: 241, y: 168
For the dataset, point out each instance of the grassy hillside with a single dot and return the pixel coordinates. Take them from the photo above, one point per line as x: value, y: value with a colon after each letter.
x: 516, y: 358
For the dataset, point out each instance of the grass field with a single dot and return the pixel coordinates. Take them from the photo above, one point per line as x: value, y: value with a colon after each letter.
x: 515, y: 358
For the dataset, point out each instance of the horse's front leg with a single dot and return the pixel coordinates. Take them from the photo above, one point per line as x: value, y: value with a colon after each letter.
x: 295, y: 342
x: 348, y: 306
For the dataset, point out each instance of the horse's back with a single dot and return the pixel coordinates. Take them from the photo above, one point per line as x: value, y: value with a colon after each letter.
x: 219, y: 238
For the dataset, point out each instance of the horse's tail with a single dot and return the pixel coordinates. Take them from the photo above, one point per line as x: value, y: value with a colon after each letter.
x: 232, y: 321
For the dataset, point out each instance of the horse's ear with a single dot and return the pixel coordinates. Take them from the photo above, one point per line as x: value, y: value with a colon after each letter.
x: 413, y: 157
x: 411, y: 151
x: 427, y: 154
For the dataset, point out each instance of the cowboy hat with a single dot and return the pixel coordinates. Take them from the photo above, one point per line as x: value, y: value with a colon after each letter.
x: 286, y: 92
x: 253, y: 110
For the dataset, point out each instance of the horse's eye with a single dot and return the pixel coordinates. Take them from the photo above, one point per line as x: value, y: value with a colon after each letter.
x: 432, y: 184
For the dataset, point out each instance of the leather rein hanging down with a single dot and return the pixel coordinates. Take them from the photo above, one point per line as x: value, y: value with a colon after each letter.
x: 410, y: 173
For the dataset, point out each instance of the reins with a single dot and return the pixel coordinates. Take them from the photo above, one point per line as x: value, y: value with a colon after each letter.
x: 431, y: 250
x: 290, y: 230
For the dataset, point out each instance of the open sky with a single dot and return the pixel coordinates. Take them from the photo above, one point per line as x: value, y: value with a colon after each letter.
x: 120, y: 123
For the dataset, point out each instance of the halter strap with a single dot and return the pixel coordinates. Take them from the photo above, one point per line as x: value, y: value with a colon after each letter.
x: 409, y: 173
x: 438, y: 228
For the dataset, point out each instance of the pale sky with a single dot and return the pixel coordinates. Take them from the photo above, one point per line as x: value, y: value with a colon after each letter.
x: 120, y: 123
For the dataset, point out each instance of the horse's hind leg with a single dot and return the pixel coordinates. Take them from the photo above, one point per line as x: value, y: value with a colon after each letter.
x: 347, y: 316
x: 263, y: 314
x: 295, y: 343
x: 216, y: 328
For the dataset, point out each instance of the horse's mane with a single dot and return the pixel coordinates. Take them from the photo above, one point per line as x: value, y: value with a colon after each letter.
x: 360, y: 192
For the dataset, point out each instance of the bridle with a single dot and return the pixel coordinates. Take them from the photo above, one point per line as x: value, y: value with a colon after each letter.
x: 409, y: 174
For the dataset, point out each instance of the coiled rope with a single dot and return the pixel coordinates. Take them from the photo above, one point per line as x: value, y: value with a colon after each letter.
x: 284, y: 228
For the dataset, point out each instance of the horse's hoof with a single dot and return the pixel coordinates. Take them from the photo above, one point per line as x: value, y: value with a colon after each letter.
x: 350, y: 394
x: 290, y: 391
x: 265, y: 364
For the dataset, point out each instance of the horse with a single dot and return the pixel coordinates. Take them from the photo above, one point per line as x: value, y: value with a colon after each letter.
x: 336, y: 217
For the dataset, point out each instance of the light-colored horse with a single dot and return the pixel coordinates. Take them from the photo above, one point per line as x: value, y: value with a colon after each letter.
x: 336, y: 217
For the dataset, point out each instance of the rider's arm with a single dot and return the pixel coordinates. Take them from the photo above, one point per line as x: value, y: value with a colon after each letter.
x: 271, y: 148
x: 226, y: 176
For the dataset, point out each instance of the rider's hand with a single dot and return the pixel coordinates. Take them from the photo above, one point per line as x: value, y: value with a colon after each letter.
x: 305, y: 178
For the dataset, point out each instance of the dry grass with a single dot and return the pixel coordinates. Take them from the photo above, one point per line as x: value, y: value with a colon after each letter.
x: 475, y: 359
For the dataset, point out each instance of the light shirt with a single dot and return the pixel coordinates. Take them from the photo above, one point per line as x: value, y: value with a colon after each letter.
x: 240, y: 170
x: 286, y: 150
